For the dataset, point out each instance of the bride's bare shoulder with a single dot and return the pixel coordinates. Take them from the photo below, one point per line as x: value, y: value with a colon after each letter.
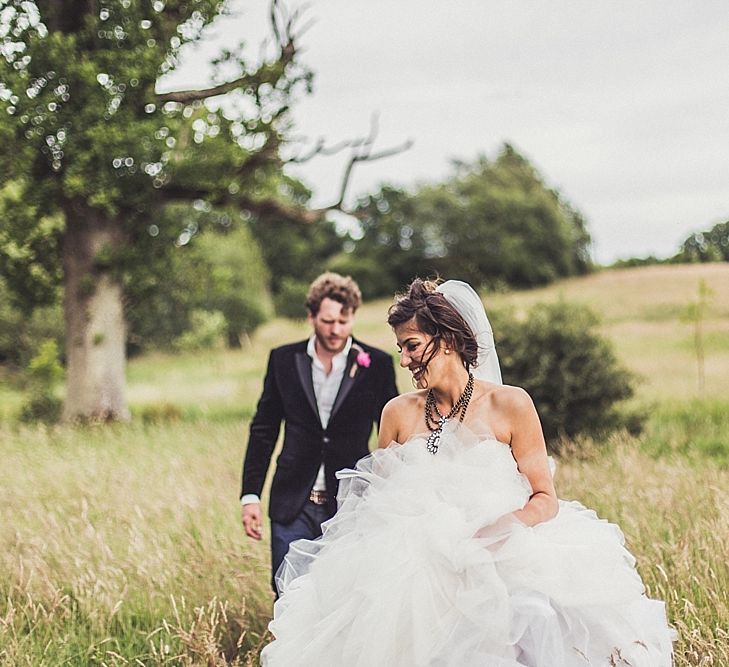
x: 400, y: 417
x: 506, y: 397
x: 405, y: 403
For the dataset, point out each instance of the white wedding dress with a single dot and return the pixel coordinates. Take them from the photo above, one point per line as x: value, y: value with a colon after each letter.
x: 399, y: 579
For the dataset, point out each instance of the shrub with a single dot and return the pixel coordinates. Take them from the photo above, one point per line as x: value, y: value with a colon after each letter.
x: 206, y: 331
x: 234, y: 282
x: 215, y: 271
x: 569, y: 370
x: 291, y: 299
x: 44, y: 373
x: 23, y: 333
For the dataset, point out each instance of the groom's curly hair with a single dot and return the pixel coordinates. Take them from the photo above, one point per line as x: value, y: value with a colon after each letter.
x: 330, y: 285
x: 434, y: 316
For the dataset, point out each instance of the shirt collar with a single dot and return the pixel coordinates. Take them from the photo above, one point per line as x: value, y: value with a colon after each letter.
x: 311, y: 351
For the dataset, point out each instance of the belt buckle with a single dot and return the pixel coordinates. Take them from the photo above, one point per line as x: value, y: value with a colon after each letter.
x: 318, y: 497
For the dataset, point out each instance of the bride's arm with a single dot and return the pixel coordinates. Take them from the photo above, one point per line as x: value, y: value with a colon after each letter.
x: 389, y: 423
x: 530, y: 452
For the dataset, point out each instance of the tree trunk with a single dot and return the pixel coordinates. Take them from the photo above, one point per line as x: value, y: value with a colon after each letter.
x: 94, y: 317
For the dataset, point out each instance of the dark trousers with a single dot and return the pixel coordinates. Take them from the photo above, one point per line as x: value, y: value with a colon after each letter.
x: 306, y: 526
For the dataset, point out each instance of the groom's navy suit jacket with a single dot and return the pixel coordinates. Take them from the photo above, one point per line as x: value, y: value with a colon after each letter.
x: 288, y: 396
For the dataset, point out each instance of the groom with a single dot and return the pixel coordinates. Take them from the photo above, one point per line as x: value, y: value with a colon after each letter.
x: 329, y: 390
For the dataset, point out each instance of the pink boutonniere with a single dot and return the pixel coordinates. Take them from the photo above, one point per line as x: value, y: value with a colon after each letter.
x: 363, y: 359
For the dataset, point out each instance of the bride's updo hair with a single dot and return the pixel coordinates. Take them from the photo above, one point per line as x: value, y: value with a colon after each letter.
x: 434, y: 316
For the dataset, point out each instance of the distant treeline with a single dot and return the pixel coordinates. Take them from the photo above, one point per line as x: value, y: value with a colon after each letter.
x: 708, y: 246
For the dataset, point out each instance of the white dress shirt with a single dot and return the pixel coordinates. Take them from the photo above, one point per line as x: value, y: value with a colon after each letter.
x: 326, y: 387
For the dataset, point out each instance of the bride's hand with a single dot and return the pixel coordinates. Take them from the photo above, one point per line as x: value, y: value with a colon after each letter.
x: 495, y: 534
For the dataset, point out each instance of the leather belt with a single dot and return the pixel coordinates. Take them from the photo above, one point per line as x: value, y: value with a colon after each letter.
x: 319, y: 497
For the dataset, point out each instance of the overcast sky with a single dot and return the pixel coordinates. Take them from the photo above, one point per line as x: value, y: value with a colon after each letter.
x: 623, y: 105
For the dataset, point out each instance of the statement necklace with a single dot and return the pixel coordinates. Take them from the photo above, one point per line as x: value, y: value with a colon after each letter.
x: 435, y: 421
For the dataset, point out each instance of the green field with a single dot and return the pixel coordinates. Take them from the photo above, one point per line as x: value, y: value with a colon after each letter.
x: 121, y: 545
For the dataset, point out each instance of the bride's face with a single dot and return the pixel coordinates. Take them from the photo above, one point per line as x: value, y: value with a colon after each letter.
x: 417, y: 352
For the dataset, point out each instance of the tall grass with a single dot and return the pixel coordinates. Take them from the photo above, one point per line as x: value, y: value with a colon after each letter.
x: 121, y: 545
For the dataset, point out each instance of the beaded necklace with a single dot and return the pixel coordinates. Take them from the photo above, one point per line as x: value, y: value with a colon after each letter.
x: 435, y: 421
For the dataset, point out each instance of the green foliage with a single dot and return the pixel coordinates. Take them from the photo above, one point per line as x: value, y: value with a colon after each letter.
x: 219, y: 270
x: 490, y: 222
x: 708, y: 246
x: 22, y: 333
x: 570, y: 371
x: 43, y: 374
x: 294, y: 251
x: 650, y: 260
x: 234, y: 280
x: 88, y: 142
x: 206, y: 331
x: 78, y: 89
x: 29, y: 247
x: 291, y: 298
x: 397, y: 241
x: 695, y: 429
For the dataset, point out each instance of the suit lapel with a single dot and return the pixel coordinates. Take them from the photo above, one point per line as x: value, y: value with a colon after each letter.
x: 303, y: 368
x: 347, y: 382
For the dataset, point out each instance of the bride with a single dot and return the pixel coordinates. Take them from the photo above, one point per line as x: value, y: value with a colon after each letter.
x: 450, y: 547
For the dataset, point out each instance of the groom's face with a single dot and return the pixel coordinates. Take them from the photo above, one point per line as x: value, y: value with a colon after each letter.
x: 332, y: 326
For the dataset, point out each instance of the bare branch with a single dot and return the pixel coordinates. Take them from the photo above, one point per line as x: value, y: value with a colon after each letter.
x: 274, y: 20
x: 369, y: 157
x: 320, y: 148
x: 362, y: 152
x: 187, y: 96
x: 406, y: 145
x: 294, y: 19
x: 374, y: 131
x: 272, y: 206
x: 317, y: 214
x: 283, y: 24
x: 266, y: 73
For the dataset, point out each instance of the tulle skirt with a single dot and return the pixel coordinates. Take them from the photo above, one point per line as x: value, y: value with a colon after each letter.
x: 399, y: 577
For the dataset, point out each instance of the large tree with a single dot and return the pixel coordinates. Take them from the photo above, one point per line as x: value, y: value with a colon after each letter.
x: 93, y: 153
x: 490, y: 222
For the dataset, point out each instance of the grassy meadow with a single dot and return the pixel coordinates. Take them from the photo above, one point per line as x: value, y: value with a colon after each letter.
x: 121, y: 544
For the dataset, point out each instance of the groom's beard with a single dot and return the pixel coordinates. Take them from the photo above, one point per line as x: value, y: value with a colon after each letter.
x: 332, y: 344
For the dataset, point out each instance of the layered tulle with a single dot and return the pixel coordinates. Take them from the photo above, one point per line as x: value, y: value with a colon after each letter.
x: 400, y: 576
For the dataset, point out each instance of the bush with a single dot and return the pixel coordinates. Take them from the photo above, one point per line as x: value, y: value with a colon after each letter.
x: 569, y: 370
x: 44, y: 373
x: 206, y: 331
x: 216, y: 271
x: 369, y: 274
x: 22, y: 334
x: 235, y: 281
x: 291, y: 299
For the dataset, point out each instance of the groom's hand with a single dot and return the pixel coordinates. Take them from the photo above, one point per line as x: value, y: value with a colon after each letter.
x: 251, y: 515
